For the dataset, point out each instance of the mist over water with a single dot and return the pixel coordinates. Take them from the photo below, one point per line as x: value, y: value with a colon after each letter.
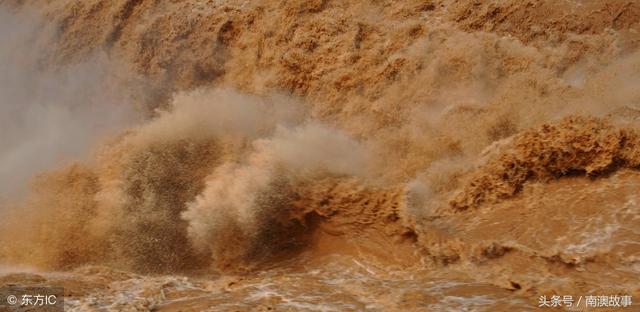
x: 49, y: 114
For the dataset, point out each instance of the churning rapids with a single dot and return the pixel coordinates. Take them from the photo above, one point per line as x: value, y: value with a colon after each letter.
x: 319, y: 155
